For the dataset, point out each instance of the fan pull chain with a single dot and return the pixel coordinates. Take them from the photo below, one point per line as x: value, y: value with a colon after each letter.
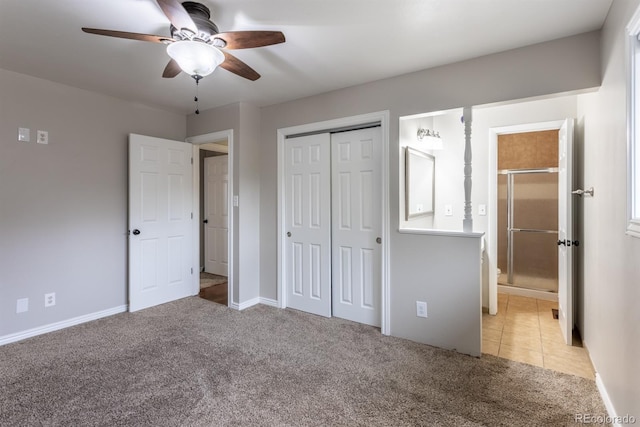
x: 197, y: 78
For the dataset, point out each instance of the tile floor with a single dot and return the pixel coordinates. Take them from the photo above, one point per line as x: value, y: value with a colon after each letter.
x: 524, y: 330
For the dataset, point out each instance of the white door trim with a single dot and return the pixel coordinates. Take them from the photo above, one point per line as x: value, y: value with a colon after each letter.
x: 383, y: 118
x: 493, y: 198
x: 197, y: 142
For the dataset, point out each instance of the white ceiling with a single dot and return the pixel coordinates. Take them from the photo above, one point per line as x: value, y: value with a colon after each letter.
x: 331, y: 44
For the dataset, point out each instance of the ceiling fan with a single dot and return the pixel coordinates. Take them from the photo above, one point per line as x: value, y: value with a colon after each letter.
x: 196, y: 46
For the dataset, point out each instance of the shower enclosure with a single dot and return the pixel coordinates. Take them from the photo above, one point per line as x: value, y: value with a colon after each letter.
x: 528, y: 228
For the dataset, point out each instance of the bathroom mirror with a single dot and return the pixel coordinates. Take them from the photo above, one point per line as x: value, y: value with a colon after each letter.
x: 419, y: 183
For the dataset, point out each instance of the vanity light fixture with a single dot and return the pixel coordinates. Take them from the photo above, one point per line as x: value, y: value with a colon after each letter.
x: 430, y: 138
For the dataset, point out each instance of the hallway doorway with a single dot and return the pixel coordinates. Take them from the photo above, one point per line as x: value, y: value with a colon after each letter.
x: 209, y: 211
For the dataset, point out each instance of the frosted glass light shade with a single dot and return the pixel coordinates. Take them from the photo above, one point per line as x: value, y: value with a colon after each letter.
x: 195, y: 58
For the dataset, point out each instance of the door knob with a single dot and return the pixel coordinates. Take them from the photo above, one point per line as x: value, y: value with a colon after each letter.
x: 288, y: 234
x: 378, y: 240
x: 136, y: 232
x: 562, y: 242
x: 206, y: 221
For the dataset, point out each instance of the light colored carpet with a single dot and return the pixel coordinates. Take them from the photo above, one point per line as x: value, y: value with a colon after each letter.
x: 193, y: 363
x: 208, y: 279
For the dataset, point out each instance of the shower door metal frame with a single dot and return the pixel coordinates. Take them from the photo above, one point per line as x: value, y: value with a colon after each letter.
x: 510, y: 228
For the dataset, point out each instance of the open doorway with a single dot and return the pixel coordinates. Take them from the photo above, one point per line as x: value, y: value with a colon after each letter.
x: 528, y: 214
x: 214, y: 224
x: 213, y: 221
x: 532, y: 317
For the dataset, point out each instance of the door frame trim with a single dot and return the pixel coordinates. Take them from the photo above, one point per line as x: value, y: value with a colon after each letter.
x: 383, y: 118
x: 494, y: 132
x: 196, y: 142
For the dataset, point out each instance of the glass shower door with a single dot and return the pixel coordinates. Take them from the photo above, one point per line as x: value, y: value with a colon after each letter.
x: 533, y: 229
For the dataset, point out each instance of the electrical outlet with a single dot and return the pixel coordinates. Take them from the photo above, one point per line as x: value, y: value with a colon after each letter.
x: 22, y: 305
x: 42, y: 137
x: 50, y: 299
x: 421, y: 309
x: 448, y: 210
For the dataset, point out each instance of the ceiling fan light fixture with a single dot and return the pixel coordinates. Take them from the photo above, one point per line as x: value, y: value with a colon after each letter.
x: 195, y: 58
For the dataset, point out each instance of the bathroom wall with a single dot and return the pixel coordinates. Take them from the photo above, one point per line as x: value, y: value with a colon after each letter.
x: 449, y: 188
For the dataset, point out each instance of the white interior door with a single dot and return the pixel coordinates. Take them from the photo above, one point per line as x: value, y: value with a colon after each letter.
x: 565, y: 230
x: 308, y: 224
x: 356, y: 225
x: 216, y: 215
x: 160, y: 238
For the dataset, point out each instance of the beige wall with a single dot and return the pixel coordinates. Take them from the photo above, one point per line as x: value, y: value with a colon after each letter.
x: 63, y: 206
x: 610, y: 269
x: 506, y: 76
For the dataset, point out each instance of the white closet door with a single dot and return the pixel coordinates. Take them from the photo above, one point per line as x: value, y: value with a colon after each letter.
x: 160, y: 243
x: 356, y: 225
x: 216, y: 217
x: 308, y: 224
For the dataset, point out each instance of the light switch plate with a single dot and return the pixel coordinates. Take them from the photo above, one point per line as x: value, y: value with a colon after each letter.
x: 482, y: 209
x: 421, y: 308
x: 24, y: 135
x: 42, y: 137
x: 22, y: 305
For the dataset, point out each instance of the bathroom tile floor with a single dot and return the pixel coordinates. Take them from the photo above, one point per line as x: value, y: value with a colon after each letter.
x: 524, y: 330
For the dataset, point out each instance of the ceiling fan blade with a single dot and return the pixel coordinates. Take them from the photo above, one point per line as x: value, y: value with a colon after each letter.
x: 233, y: 64
x: 171, y: 70
x: 249, y: 39
x: 127, y: 35
x: 177, y: 14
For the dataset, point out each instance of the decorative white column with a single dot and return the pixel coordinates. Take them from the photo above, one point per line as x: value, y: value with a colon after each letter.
x: 467, y: 222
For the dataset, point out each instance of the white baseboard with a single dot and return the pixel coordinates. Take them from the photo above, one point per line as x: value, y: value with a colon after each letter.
x: 270, y: 302
x: 244, y: 305
x: 606, y: 400
x: 259, y: 300
x: 249, y: 303
x: 19, y: 336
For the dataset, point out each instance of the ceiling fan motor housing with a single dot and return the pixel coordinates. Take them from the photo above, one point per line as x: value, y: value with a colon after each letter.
x: 200, y: 15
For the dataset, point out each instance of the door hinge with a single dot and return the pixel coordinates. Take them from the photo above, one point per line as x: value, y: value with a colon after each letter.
x: 191, y: 215
x: 191, y: 270
x: 192, y: 160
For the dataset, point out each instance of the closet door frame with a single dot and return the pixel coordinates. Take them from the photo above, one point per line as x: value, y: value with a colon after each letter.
x: 382, y: 118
